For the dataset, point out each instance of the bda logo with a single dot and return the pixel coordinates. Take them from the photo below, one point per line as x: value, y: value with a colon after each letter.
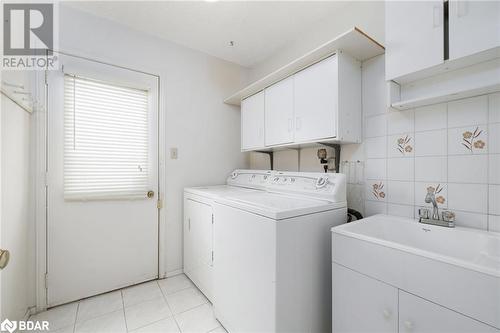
x: 8, y: 325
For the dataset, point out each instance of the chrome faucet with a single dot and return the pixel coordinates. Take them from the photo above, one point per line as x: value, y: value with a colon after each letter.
x: 447, y: 218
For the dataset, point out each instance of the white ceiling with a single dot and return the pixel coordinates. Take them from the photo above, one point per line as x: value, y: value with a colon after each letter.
x: 258, y: 28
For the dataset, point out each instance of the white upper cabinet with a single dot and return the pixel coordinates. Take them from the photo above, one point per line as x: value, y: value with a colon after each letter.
x: 315, y: 101
x: 252, y: 122
x: 319, y: 103
x: 474, y: 27
x: 414, y: 36
x: 279, y: 113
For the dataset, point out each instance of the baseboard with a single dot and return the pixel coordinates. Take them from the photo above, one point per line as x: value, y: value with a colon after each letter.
x: 173, y: 273
x: 29, y: 312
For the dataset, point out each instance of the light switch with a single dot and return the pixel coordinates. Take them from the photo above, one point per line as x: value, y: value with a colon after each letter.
x: 173, y: 153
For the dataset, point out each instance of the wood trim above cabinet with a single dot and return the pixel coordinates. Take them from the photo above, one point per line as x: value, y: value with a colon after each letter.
x: 354, y: 42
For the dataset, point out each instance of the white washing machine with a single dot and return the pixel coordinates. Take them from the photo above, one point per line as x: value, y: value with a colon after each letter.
x: 272, y: 254
x: 198, y: 223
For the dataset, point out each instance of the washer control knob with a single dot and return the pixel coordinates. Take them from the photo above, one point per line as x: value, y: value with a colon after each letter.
x: 321, y: 181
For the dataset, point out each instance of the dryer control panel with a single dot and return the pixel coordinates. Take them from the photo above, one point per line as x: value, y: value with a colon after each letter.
x: 328, y: 186
x: 250, y: 178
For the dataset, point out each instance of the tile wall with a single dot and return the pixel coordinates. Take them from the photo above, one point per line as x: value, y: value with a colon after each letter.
x: 450, y: 149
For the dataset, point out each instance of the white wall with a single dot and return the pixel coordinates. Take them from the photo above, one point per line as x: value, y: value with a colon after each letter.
x: 17, y: 219
x: 204, y: 129
x: 469, y: 178
x: 367, y: 15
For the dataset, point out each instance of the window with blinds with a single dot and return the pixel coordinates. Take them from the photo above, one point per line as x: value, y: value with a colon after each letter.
x: 106, y: 141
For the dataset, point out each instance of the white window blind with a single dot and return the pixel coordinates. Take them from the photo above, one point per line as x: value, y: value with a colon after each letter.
x: 106, y: 141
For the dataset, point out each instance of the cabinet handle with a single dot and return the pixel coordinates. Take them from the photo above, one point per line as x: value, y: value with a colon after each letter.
x: 189, y: 224
x: 297, y: 123
x: 437, y: 20
x: 461, y: 8
x: 387, y: 313
x: 290, y: 124
x: 409, y: 325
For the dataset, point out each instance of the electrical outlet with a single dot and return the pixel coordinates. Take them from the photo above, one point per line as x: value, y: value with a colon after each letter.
x: 173, y: 153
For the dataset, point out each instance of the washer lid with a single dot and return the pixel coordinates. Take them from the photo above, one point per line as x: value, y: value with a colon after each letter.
x: 278, y: 206
x: 216, y: 191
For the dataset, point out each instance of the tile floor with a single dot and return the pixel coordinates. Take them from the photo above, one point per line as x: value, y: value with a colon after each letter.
x: 171, y: 305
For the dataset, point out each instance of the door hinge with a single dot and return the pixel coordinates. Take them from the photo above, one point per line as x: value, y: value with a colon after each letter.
x: 159, y: 203
x: 46, y: 280
x: 46, y: 179
x: 212, y: 256
x: 212, y: 218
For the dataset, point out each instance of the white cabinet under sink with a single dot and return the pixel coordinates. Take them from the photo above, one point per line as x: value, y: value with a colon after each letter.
x: 252, y: 121
x: 279, y: 112
x: 362, y: 304
x: 417, y: 315
x: 392, y: 274
x: 474, y: 26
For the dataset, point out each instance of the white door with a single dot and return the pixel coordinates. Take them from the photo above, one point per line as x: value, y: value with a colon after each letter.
x: 316, y: 100
x: 102, y: 228
x: 279, y: 113
x: 417, y: 315
x: 362, y: 304
x: 474, y: 27
x: 414, y: 36
x: 252, y: 121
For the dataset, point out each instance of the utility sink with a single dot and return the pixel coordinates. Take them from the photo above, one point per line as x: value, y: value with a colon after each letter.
x: 458, y: 268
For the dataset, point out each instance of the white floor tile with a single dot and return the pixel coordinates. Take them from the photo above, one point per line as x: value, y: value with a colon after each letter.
x: 109, y: 323
x: 58, y: 317
x: 174, y: 284
x: 163, y: 326
x: 141, y: 293
x: 67, y: 329
x: 145, y: 313
x: 99, y: 305
x: 198, y: 320
x: 185, y: 299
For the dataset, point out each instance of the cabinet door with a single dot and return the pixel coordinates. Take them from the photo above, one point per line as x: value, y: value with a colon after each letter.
x: 198, y: 251
x: 474, y: 27
x: 316, y: 101
x: 188, y: 239
x: 279, y: 112
x: 252, y: 122
x: 362, y: 304
x: 414, y: 36
x: 419, y: 315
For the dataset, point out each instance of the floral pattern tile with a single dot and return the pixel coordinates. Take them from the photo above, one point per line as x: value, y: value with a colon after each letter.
x: 437, y: 191
x: 378, y: 190
x: 473, y: 140
x: 404, y: 145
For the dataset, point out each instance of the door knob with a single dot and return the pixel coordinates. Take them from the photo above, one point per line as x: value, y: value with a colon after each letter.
x: 4, y: 258
x: 151, y: 194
